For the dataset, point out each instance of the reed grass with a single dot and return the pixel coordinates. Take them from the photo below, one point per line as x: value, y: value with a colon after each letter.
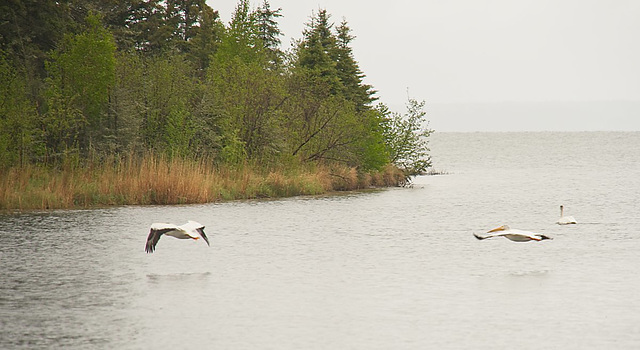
x: 160, y: 180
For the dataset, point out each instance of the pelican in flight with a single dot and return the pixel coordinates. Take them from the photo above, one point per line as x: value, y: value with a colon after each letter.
x: 513, y: 234
x: 191, y: 230
x: 565, y: 220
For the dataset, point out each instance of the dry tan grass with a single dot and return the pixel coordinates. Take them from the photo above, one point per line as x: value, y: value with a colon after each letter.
x: 160, y: 180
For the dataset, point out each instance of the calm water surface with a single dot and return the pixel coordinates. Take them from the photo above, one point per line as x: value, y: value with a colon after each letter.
x: 389, y: 269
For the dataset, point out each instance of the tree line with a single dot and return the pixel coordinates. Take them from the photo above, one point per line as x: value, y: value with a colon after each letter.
x: 86, y: 79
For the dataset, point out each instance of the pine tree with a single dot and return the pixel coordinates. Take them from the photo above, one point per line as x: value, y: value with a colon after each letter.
x: 315, y: 52
x: 268, y: 31
x: 348, y: 70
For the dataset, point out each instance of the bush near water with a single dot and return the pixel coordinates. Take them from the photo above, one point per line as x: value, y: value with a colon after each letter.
x: 107, y: 103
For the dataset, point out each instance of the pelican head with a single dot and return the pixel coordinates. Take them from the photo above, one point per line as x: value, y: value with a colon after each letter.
x: 561, y: 210
x: 501, y: 228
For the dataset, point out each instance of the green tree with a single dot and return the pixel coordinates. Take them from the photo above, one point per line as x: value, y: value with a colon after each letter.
x: 145, y: 28
x: 125, y: 104
x: 407, y: 137
x: 349, y: 71
x: 81, y: 73
x: 269, y: 32
x: 246, y: 88
x: 167, y: 76
x: 18, y: 128
x: 320, y: 126
x: 371, y: 149
x: 316, y: 50
x: 188, y: 19
x: 241, y: 40
x: 157, y: 27
x: 205, y: 38
x: 167, y: 105
x: 352, y: 132
x: 29, y: 30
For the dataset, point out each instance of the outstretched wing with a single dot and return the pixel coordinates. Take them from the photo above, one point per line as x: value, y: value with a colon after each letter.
x: 491, y: 235
x: 154, y: 237
x: 198, y: 227
x: 200, y: 230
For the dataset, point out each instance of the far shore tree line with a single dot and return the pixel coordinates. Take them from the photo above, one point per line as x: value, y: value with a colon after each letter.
x: 86, y: 80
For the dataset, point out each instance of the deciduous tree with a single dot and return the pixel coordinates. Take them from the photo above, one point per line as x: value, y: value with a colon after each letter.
x: 406, y: 137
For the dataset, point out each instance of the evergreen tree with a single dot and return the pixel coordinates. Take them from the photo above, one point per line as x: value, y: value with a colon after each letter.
x: 166, y: 76
x: 246, y: 87
x: 29, y: 30
x: 325, y: 57
x: 268, y: 31
x: 206, y: 38
x: 349, y: 72
x: 316, y: 50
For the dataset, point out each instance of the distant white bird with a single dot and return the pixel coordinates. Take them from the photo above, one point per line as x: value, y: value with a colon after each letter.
x: 513, y: 234
x: 191, y: 230
x: 565, y: 220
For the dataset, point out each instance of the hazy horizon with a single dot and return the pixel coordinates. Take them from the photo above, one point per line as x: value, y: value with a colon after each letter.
x: 491, y: 52
x: 534, y: 116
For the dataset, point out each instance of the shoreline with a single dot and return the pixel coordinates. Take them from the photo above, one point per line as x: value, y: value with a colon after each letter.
x: 159, y: 181
x: 336, y: 193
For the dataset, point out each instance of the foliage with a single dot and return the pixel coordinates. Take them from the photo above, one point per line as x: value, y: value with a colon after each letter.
x: 18, y: 132
x: 167, y: 124
x: 407, y: 137
x: 80, y: 76
x: 268, y: 31
x: 103, y: 79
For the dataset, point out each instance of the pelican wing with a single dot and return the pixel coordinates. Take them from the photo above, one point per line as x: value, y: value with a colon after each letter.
x: 514, y: 235
x: 201, y: 232
x: 479, y: 237
x: 197, y: 227
x: 192, y: 226
x: 515, y: 231
x: 491, y: 235
x: 156, y: 231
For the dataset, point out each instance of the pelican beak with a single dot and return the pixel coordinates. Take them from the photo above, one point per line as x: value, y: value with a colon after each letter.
x: 196, y: 238
x: 501, y: 228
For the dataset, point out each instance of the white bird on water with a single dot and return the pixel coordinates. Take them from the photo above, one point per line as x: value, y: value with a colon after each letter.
x: 565, y: 220
x: 513, y: 234
x: 190, y: 230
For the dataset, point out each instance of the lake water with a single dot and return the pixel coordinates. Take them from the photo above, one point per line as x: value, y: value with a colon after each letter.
x: 385, y: 269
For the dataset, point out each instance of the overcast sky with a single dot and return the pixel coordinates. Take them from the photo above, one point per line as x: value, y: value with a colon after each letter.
x: 492, y: 53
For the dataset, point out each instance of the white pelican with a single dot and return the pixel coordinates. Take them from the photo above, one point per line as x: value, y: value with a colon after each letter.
x: 191, y: 230
x: 565, y: 220
x: 513, y: 234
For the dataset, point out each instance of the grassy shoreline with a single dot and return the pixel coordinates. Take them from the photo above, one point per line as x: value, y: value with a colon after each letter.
x: 158, y: 180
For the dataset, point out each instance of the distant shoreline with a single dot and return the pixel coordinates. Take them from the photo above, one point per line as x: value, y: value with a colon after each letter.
x: 552, y: 116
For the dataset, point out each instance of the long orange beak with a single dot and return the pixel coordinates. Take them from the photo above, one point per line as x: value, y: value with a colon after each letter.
x: 501, y: 228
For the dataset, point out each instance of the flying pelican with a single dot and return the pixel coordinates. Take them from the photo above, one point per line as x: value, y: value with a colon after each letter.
x: 565, y: 220
x: 513, y: 234
x: 191, y: 230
